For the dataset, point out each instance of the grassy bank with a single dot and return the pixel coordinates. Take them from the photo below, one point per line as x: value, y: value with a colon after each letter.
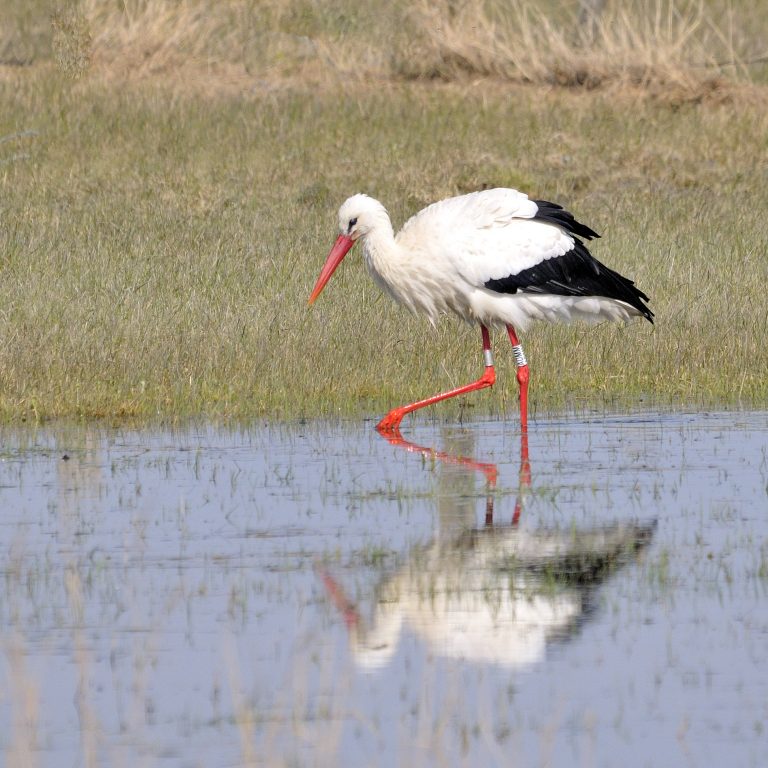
x: 160, y: 230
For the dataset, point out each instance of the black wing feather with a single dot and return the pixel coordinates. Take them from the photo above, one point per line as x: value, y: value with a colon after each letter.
x: 575, y: 273
x: 552, y: 213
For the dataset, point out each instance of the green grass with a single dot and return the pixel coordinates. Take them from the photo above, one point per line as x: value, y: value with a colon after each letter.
x: 158, y: 242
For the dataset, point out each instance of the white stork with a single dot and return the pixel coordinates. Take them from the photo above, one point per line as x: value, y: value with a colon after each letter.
x: 498, y: 595
x: 494, y: 258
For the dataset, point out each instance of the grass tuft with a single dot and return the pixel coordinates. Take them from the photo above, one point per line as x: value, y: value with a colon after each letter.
x: 71, y: 41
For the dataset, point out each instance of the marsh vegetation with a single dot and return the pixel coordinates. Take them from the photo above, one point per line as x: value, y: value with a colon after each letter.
x: 170, y: 174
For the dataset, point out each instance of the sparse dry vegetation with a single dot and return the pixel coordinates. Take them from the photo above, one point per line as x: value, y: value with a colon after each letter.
x: 666, y: 48
x: 682, y: 48
x: 687, y: 48
x: 170, y: 172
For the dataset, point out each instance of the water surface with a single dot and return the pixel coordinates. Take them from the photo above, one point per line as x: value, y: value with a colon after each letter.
x: 317, y: 595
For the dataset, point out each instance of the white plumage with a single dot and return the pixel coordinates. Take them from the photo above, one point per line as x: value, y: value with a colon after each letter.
x: 441, y: 259
x: 495, y: 258
x: 498, y: 595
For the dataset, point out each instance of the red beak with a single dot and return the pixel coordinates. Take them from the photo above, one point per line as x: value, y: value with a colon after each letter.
x: 338, y: 252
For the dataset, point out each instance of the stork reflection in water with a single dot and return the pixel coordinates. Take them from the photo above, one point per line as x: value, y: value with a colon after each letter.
x: 500, y: 592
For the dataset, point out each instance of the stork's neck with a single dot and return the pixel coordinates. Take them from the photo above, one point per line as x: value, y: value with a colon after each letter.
x: 399, y: 269
x: 380, y: 249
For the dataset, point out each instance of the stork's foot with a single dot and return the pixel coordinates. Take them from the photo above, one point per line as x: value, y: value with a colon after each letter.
x: 390, y: 424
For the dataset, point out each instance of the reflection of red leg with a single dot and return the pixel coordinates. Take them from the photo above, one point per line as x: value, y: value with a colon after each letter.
x: 525, y: 477
x: 392, y: 420
x: 525, y: 462
x: 335, y: 591
x: 522, y: 376
x: 489, y: 511
x: 490, y: 470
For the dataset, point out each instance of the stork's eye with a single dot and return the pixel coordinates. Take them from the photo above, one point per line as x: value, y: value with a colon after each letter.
x: 352, y: 223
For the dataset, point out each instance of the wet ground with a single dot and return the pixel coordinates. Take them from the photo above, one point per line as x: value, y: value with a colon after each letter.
x: 315, y: 595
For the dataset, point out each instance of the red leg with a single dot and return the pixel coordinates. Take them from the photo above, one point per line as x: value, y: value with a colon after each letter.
x: 392, y: 420
x: 522, y: 376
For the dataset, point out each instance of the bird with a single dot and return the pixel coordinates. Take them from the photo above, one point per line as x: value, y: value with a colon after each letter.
x: 495, y: 258
x: 497, y: 595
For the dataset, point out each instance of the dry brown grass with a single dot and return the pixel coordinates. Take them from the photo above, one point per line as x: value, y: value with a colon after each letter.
x: 236, y: 44
x: 672, y: 49
x: 664, y: 46
x: 153, y: 36
x: 143, y: 38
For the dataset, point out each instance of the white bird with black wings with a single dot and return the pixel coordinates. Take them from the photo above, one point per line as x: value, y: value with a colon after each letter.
x: 495, y: 258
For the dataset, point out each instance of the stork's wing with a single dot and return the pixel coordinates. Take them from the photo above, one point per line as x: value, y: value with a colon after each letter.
x: 489, y: 209
x: 487, y: 235
x: 500, y: 240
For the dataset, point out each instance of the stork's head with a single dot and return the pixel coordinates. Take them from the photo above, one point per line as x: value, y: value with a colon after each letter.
x: 358, y: 216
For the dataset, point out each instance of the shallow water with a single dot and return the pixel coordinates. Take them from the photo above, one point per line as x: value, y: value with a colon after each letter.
x: 317, y: 595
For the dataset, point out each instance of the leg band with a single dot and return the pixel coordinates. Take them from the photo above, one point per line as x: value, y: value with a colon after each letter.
x: 517, y: 351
